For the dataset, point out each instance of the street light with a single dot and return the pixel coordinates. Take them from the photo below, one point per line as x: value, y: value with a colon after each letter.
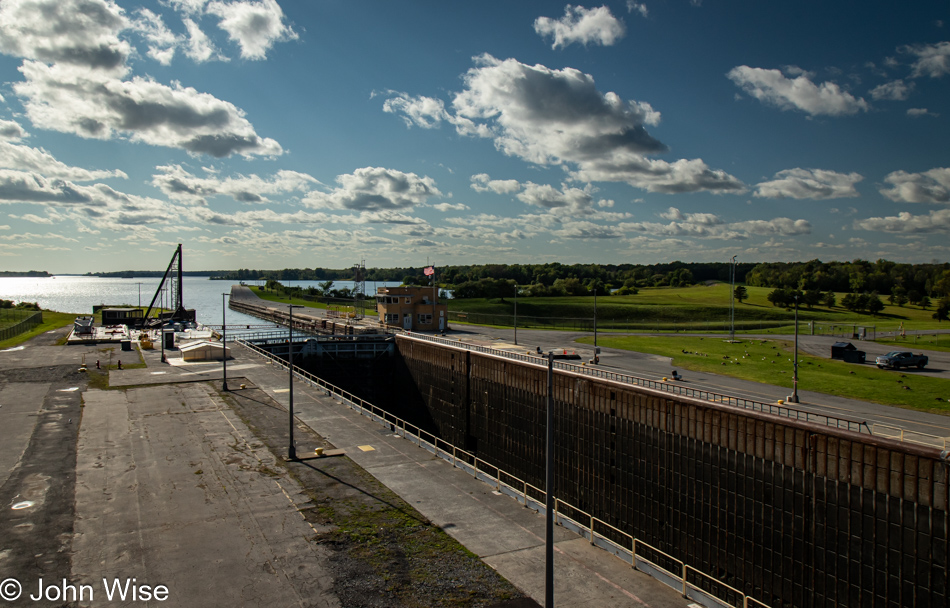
x: 224, y: 339
x: 291, y: 449
x: 516, y: 313
x: 732, y: 301
x: 794, y: 397
x: 549, y: 493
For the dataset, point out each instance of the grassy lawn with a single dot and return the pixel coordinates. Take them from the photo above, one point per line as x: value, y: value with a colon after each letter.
x: 698, y: 308
x: 273, y: 296
x: 932, y: 341
x: 770, y: 361
x: 51, y: 320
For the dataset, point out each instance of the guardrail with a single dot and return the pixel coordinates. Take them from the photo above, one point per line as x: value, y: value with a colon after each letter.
x: 689, y: 581
x: 25, y: 325
x: 841, y: 422
x: 896, y: 432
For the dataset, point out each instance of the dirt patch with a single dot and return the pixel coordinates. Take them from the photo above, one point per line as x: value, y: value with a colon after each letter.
x: 385, y: 553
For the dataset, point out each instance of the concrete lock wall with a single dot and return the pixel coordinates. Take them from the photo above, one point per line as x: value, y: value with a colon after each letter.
x: 792, y: 514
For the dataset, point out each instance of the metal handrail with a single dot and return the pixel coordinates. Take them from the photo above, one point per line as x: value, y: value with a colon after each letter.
x: 851, y: 424
x: 452, y: 456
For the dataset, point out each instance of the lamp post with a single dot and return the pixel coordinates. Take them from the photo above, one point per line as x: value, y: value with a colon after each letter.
x: 291, y: 449
x: 140, y: 294
x: 549, y: 493
x: 595, y: 321
x: 224, y: 339
x: 732, y: 302
x: 516, y: 314
x: 161, y: 338
x: 794, y: 398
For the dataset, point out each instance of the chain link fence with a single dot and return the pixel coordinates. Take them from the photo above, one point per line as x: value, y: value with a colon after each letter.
x: 23, y: 324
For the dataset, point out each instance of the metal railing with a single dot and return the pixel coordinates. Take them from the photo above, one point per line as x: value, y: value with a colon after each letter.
x: 896, y: 432
x: 640, y: 555
x: 23, y: 326
x: 840, y: 422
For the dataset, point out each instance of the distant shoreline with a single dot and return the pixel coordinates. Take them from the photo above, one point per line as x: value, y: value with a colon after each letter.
x: 29, y: 274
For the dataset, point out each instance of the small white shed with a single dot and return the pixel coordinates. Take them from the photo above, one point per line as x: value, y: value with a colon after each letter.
x: 204, y: 351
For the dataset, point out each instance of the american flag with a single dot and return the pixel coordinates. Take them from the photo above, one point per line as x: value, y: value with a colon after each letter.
x: 429, y: 271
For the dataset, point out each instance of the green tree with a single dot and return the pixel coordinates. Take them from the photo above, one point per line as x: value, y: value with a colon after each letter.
x: 873, y: 304
x: 828, y: 299
x: 943, y: 310
x: 741, y: 293
x: 924, y: 302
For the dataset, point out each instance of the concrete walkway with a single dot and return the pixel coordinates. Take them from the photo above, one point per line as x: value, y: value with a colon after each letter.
x: 507, y: 536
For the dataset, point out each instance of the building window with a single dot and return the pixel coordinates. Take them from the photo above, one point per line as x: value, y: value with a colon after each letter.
x: 392, y: 318
x: 425, y: 319
x: 407, y: 300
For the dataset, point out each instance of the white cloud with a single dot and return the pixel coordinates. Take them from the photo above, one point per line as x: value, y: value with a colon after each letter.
x: 905, y: 223
x: 931, y: 186
x: 451, y: 207
x: 708, y: 225
x: 574, y: 201
x: 177, y: 183
x: 69, y: 101
x: 932, y: 59
x: 11, y: 131
x: 918, y: 112
x: 896, y: 90
x: 638, y: 7
x: 773, y: 87
x: 73, y: 32
x: 582, y: 25
x: 198, y: 47
x: 547, y: 116
x: 588, y: 231
x: 375, y: 189
x: 425, y: 112
x: 254, y: 26
x: 816, y: 184
x: 41, y: 162
x: 483, y: 183
x: 162, y: 42
x: 74, y: 62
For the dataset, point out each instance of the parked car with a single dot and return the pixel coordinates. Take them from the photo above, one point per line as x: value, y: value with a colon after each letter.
x: 898, y: 359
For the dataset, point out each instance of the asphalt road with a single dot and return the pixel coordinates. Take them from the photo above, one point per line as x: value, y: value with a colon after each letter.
x: 654, y: 367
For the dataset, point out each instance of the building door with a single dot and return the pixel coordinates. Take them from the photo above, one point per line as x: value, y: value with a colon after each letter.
x: 441, y: 323
x: 407, y: 322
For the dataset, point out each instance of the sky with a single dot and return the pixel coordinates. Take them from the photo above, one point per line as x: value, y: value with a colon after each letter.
x: 324, y: 133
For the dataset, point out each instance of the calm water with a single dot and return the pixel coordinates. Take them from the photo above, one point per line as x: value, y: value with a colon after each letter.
x: 79, y: 294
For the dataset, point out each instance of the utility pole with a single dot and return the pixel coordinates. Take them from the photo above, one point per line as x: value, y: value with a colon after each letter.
x: 516, y: 314
x: 224, y: 339
x: 794, y: 398
x: 732, y: 304
x: 291, y: 448
x: 549, y: 493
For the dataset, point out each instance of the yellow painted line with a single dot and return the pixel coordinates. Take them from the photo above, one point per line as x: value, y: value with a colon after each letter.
x: 366, y: 448
x: 282, y: 390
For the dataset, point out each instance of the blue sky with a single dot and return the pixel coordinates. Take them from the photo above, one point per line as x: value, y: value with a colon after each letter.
x: 270, y: 135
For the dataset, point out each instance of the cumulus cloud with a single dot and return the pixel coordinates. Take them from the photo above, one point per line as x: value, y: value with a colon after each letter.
x: 906, y: 223
x: 588, y: 231
x: 425, y: 112
x: 199, y: 47
x: 547, y: 116
x: 11, y: 131
x: 177, y: 183
x: 809, y: 184
x: 443, y: 207
x: 574, y: 200
x: 931, y: 186
x: 141, y: 109
x: 254, y: 26
x: 81, y: 33
x: 932, y: 59
x: 162, y: 42
x: 918, y: 112
x: 482, y: 182
x: 896, y: 90
x: 41, y: 162
x: 638, y: 7
x: 582, y: 25
x: 709, y: 225
x: 74, y: 68
x: 375, y: 189
x: 800, y: 93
